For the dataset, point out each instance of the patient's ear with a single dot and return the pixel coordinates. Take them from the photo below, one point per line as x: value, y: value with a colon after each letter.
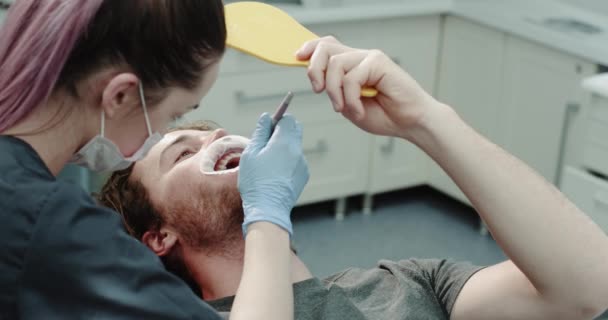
x: 160, y: 241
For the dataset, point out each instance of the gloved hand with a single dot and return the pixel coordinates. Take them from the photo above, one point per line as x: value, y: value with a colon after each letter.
x: 272, y: 172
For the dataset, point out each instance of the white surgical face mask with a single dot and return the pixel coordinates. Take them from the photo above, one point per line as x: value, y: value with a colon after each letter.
x: 102, y: 155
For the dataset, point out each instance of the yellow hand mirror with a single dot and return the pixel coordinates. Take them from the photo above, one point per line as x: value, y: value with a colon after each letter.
x: 270, y: 34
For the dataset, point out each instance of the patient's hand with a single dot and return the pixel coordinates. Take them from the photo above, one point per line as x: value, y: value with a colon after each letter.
x: 401, y: 103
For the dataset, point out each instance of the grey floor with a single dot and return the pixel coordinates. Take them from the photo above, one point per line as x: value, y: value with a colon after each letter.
x: 418, y: 222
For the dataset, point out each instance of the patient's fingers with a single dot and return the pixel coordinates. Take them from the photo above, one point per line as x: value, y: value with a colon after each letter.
x: 338, y: 66
x: 307, y: 49
x: 320, y: 60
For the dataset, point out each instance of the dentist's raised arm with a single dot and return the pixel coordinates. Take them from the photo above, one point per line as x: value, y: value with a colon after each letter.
x: 558, y: 267
x: 272, y: 175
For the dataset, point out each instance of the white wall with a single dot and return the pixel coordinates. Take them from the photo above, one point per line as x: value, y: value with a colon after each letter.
x: 599, y: 6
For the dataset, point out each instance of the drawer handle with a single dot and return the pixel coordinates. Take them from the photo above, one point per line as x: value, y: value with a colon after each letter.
x: 243, y: 98
x: 389, y: 146
x: 4, y: 5
x: 320, y: 148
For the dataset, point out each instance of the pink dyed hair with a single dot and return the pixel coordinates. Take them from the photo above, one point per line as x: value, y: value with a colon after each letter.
x: 35, y: 42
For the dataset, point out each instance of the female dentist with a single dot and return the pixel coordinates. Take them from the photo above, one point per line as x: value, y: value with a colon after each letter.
x: 558, y: 256
x: 92, y: 82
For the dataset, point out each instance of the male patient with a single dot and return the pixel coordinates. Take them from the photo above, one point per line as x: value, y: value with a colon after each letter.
x: 193, y: 222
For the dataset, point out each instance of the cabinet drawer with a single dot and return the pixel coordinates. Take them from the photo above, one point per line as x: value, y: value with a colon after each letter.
x: 598, y: 110
x: 412, y: 42
x: 338, y: 159
x: 396, y: 164
x: 237, y: 101
x: 597, y: 132
x: 595, y: 150
x: 589, y: 193
x: 595, y: 157
x: 236, y: 62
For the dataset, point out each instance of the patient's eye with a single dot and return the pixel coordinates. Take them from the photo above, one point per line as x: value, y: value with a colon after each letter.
x: 183, y: 155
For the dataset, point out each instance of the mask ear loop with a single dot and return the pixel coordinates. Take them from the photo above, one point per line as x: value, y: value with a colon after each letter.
x: 143, y: 103
x: 103, y: 123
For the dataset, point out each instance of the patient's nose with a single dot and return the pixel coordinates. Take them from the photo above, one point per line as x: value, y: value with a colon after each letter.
x: 217, y: 134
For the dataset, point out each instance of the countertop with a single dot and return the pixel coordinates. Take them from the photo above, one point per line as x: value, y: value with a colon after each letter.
x: 522, y: 18
x: 362, y: 12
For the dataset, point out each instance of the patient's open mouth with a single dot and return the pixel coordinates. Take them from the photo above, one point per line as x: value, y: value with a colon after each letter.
x: 228, y: 160
x: 223, y: 156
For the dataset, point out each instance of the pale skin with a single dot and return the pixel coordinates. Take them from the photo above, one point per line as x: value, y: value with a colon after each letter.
x: 170, y: 172
x: 170, y: 166
x: 265, y: 291
x: 558, y: 256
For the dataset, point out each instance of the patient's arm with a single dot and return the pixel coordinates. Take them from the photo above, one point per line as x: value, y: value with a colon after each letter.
x: 559, y: 267
x: 265, y: 291
x: 562, y: 254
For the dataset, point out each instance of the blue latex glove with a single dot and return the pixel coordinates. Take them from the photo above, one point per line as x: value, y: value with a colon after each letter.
x: 272, y: 172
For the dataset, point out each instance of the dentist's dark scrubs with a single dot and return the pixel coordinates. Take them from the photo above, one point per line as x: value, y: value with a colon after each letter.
x: 63, y: 257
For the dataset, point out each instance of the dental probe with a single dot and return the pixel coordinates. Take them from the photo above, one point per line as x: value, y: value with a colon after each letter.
x: 278, y: 115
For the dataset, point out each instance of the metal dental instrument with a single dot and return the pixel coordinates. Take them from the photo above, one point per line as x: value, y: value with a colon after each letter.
x: 278, y: 115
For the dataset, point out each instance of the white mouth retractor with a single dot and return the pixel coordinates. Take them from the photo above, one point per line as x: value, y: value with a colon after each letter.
x: 219, y: 149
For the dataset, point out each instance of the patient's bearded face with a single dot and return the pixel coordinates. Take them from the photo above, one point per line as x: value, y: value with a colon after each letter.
x: 204, y: 209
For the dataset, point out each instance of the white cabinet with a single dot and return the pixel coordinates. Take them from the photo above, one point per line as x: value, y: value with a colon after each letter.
x: 595, y: 147
x: 338, y: 153
x: 541, y: 94
x: 396, y: 163
x: 589, y: 193
x: 3, y: 10
x: 521, y: 95
x: 470, y: 80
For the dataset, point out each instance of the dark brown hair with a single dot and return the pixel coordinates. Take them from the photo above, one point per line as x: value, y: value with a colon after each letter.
x: 47, y: 45
x: 165, y: 42
x: 130, y: 199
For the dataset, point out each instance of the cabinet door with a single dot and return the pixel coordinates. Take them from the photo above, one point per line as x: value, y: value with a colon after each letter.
x: 539, y: 85
x: 589, y: 193
x: 396, y: 163
x: 337, y: 155
x: 3, y: 9
x: 470, y: 80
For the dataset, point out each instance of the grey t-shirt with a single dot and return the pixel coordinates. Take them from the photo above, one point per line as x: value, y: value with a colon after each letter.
x: 408, y: 289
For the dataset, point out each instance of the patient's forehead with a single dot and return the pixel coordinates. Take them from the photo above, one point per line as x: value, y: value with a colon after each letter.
x: 171, y: 136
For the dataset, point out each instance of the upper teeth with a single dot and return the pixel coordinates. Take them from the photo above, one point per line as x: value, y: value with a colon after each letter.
x: 222, y: 164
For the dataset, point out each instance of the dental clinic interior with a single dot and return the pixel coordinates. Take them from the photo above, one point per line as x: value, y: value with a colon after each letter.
x: 519, y: 71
